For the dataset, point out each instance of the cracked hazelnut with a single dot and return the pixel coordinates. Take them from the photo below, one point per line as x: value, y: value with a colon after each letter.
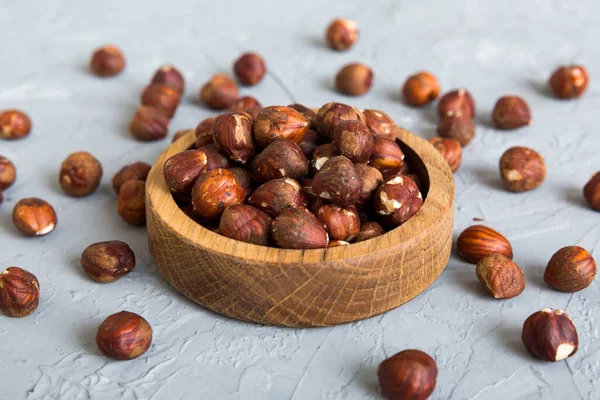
x: 550, y: 335
x: 369, y: 230
x: 450, y: 150
x: 131, y: 202
x: 138, y: 170
x: 124, y: 336
x: 274, y: 196
x: 341, y: 223
x: 204, y: 134
x: 149, y: 124
x: 298, y: 228
x: 309, y: 114
x: 278, y: 122
x: 219, y: 92
x: 245, y: 103
x: 341, y: 34
x: 309, y: 143
x: 107, y: 61
x: 570, y: 269
x: 245, y: 179
x: 569, y: 82
x: 34, y: 217
x: 331, y: 114
x: 232, y: 133
x: 408, y: 375
x: 19, y: 292
x: 353, y: 140
x: 169, y: 76
x: 421, y: 89
x: 249, y: 69
x: 386, y: 154
x: 182, y: 170
x: 106, y: 262
x: 280, y: 159
x: 522, y: 169
x: 370, y: 179
x: 379, y: 123
x: 246, y: 224
x: 459, y: 127
x: 14, y: 124
x: 180, y: 133
x: 500, y: 276
x: 338, y: 182
x: 162, y: 98
x: 511, y: 112
x: 478, y: 241
x: 321, y: 155
x: 591, y: 191
x: 457, y: 102
x: 8, y: 173
x: 397, y: 200
x: 215, y: 158
x: 214, y: 191
x: 80, y: 174
x: 354, y: 79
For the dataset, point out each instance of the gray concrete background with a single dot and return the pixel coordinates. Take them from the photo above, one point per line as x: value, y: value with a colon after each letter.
x: 492, y: 48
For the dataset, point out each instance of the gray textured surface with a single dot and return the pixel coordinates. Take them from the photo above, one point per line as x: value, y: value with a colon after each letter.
x: 493, y: 48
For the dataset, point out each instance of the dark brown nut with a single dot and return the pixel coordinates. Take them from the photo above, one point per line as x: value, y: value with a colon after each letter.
x: 106, y: 262
x: 14, y: 124
x: 353, y: 140
x: 397, y: 200
x: 369, y: 230
x: 124, y: 336
x: 450, y: 149
x: 370, y: 179
x: 408, y: 375
x: 19, y: 292
x: 280, y: 159
x: 341, y: 34
x: 232, y: 133
x: 309, y: 114
x: 182, y: 170
x: 246, y: 224
x: 389, y: 173
x: 309, y: 143
x: 341, y: 223
x: 245, y: 103
x: 204, y: 134
x: 500, y: 276
x: 354, y: 79
x: 215, y: 158
x: 298, y: 228
x: 276, y: 195
x: 219, y: 92
x: 138, y: 170
x: 569, y: 82
x: 131, y: 202
x: 80, y: 174
x: 522, y: 169
x: 245, y: 180
x: 169, y: 76
x: 321, y: 155
x: 214, y: 191
x: 386, y: 154
x: 511, y: 112
x: 149, y: 124
x: 591, y: 191
x: 162, y: 98
x: 180, y: 133
x: 331, y: 114
x: 278, y: 122
x: 8, y: 173
x: 459, y: 127
x: 420, y: 89
x: 337, y: 243
x: 457, y: 102
x: 249, y: 69
x: 338, y: 181
x: 478, y: 241
x: 34, y: 217
x: 550, y: 335
x: 379, y: 123
x: 570, y: 269
x: 107, y: 61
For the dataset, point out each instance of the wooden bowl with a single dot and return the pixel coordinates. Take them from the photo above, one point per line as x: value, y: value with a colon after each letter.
x: 301, y: 288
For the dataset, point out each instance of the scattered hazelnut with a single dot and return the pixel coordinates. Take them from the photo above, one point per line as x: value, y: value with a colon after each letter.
x: 246, y: 224
x: 379, y: 123
x: 204, y: 134
x: 421, y: 89
x: 457, y: 102
x: 591, y: 191
x: 215, y: 158
x: 138, y: 170
x: 522, y: 169
x: 14, y: 124
x: 450, y: 150
x: 336, y: 243
x: 280, y: 159
x: 19, y: 292
x: 182, y: 170
x: 321, y: 155
x: 397, y: 200
x: 214, y: 191
x: 245, y: 179
x: 169, y: 76
x: 550, y: 335
x: 124, y: 336
x: 131, y: 202
x: 149, y: 124
x: 107, y: 61
x: 331, y: 114
x: 341, y: 223
x: 309, y: 114
x: 34, y: 217
x: 278, y: 122
x: 386, y: 154
x: 408, y: 375
x: 369, y: 230
x: 511, y: 112
x: 353, y: 140
x: 180, y: 133
x: 298, y: 228
x: 249, y: 69
x: 80, y: 174
x: 274, y: 196
x: 569, y: 82
x: 219, y: 92
x: 245, y: 103
x: 8, y: 173
x: 341, y: 34
x: 500, y: 276
x: 570, y: 269
x: 161, y: 97
x: 370, y: 179
x: 478, y: 241
x: 354, y: 79
x: 338, y: 182
x: 232, y: 133
x: 309, y: 143
x: 106, y: 262
x: 459, y: 127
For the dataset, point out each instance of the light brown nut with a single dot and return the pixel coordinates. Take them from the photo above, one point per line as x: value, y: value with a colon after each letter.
x: 478, y: 241
x: 341, y: 34
x: 107, y: 261
x: 511, y: 112
x: 19, y: 292
x: 379, y: 123
x: 500, y: 276
x: 246, y: 224
x: 338, y: 182
x: 34, y: 217
x: 570, y: 269
x: 386, y: 154
x: 353, y: 140
x: 341, y: 223
x: 421, y: 89
x: 280, y: 159
x: 14, y: 124
x: 278, y: 122
x: 569, y: 82
x: 331, y: 114
x: 80, y: 174
x: 214, y: 191
x: 354, y: 79
x: 522, y: 169
x: 397, y: 200
x: 298, y: 228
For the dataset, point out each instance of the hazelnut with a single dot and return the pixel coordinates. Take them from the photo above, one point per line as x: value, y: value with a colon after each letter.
x: 19, y: 292
x: 169, y: 76
x: 182, y: 170
x: 280, y: 159
x: 34, y: 217
x: 336, y: 243
x: 569, y: 82
x: 214, y: 191
x: 338, y: 182
x: 219, y: 92
x: 522, y: 169
x: 421, y: 89
x: 397, y: 200
x: 379, y: 123
x: 8, y: 173
x: 245, y: 180
x: 478, y: 241
x: 321, y: 155
x: 570, y: 269
x: 278, y: 122
x: 149, y: 124
x: 124, y: 336
x: 331, y: 114
x: 591, y: 191
x: 138, y: 170
x: 80, y: 174
x: 131, y: 202
x: 511, y: 112
x: 249, y: 69
x: 162, y: 98
x: 341, y: 34
x: 353, y: 140
x: 457, y: 102
x: 354, y: 79
x: 245, y: 103
x: 14, y: 124
x: 389, y: 173
x: 274, y: 196
x: 106, y: 262
x: 369, y: 230
x: 550, y: 335
x: 215, y: 158
x: 386, y: 154
x: 408, y: 375
x: 459, y: 127
x: 309, y: 114
x: 450, y: 150
x: 370, y: 179
x: 246, y: 224
x: 298, y: 228
x: 204, y: 134
x: 180, y: 133
x: 309, y: 143
x: 232, y: 133
x: 500, y: 276
x: 341, y: 223
x: 107, y: 61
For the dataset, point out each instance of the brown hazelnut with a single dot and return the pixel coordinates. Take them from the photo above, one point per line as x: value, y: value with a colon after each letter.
x: 309, y: 143
x: 162, y: 98
x: 370, y: 179
x: 500, y: 276
x: 249, y: 69
x: 354, y: 79
x: 341, y: 34
x: 331, y: 114
x: 379, y: 123
x: 246, y: 224
x: 369, y: 230
x: 353, y: 140
x: 389, y: 173
x: 245, y: 179
x: 338, y: 182
x: 386, y: 154
x: 124, y: 336
x: 591, y: 191
x: 14, y: 124
x: 149, y: 124
x: 522, y: 169
x: 280, y: 159
x: 34, y: 217
x: 19, y: 292
x: 106, y: 262
x: 245, y: 103
x: 214, y: 191
x: 478, y: 241
x: 278, y: 122
x: 219, y: 92
x: 450, y: 150
x: 8, y: 173
x: 337, y: 243
x: 182, y: 170
x: 309, y: 114
x: 569, y: 82
x: 215, y: 157
x: 397, y: 200
x: 511, y: 112
x: 204, y: 134
x: 138, y: 170
x: 169, y: 76
x: 131, y: 202
x: 232, y: 133
x: 80, y: 174
x: 457, y: 102
x: 107, y: 61
x: 408, y: 375
x: 420, y: 89
x: 298, y: 228
x: 180, y: 133
x: 341, y: 223
x: 321, y: 155
x: 459, y: 127
x: 274, y: 196
x: 570, y: 269
x: 550, y: 335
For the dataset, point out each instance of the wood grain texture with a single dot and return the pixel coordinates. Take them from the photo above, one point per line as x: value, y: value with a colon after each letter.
x: 301, y: 288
